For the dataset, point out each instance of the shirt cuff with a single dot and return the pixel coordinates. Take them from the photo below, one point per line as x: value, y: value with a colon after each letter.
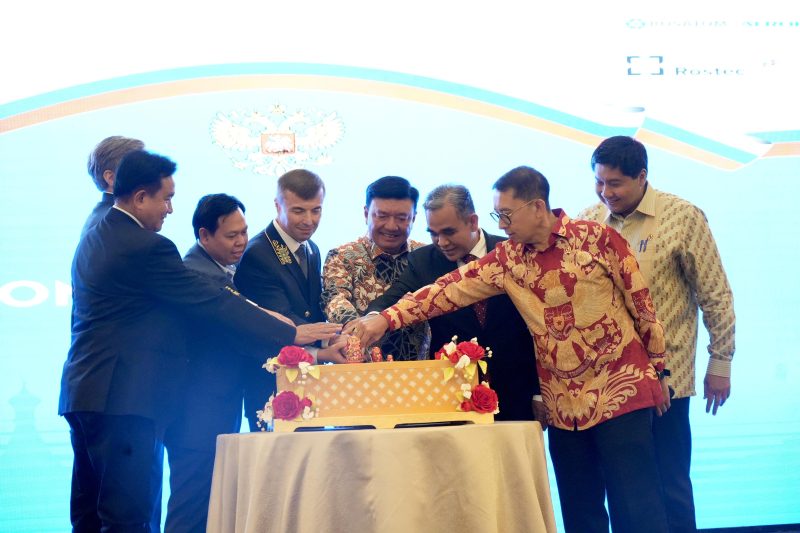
x: 537, y: 398
x: 312, y: 350
x: 719, y: 367
x: 388, y: 319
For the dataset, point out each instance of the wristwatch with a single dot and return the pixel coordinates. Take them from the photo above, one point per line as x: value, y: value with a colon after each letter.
x: 663, y: 374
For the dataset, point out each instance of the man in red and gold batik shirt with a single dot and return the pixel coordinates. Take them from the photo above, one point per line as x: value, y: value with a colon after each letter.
x: 599, y: 348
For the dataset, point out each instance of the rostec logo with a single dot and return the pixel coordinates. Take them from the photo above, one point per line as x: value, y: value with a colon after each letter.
x: 645, y: 65
x: 655, y: 66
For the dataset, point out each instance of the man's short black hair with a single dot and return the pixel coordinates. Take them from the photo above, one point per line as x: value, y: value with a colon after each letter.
x: 392, y: 188
x: 527, y: 183
x: 209, y: 210
x: 142, y: 170
x: 625, y: 153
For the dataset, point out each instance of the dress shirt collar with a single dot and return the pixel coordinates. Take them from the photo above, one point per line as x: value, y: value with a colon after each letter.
x: 559, y: 231
x: 292, y: 244
x: 375, y: 250
x: 479, y: 250
x: 230, y: 270
x: 118, y: 208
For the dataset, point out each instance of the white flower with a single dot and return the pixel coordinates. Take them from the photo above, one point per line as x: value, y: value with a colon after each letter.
x: 474, y: 340
x: 307, y: 413
x: 271, y: 365
x: 304, y: 367
x: 450, y: 347
x: 265, y: 416
x: 463, y: 361
x: 466, y: 391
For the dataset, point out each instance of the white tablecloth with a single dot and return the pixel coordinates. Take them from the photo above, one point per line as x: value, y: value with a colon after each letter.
x: 465, y: 479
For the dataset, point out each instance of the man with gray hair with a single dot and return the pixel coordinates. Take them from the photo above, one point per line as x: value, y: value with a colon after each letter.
x: 458, y: 239
x: 102, y: 166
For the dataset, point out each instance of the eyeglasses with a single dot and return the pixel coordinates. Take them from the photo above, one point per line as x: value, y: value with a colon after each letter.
x: 506, y: 217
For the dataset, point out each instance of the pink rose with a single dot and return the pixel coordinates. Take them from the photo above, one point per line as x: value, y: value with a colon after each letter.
x: 484, y: 399
x: 471, y: 350
x: 294, y: 355
x: 286, y: 406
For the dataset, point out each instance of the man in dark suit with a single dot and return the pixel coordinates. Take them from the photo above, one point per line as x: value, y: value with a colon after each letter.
x: 127, y: 359
x: 280, y: 268
x: 457, y: 239
x: 102, y: 165
x: 211, y: 401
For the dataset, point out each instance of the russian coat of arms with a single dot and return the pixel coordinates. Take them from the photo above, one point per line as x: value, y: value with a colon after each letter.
x: 273, y: 141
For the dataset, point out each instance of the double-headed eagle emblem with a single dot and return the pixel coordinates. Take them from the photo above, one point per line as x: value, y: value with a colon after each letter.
x: 275, y: 141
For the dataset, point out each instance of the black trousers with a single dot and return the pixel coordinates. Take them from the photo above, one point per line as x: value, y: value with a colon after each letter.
x: 614, y: 459
x: 190, y: 473
x: 673, y: 440
x: 116, y: 473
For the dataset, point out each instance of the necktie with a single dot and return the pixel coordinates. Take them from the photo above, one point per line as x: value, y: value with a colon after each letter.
x: 302, y: 258
x: 478, y: 307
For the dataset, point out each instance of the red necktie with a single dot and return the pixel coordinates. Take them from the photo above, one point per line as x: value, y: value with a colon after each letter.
x: 478, y: 307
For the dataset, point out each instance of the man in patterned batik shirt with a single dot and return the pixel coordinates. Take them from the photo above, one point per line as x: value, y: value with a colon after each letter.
x: 679, y: 258
x: 599, y: 348
x: 358, y: 272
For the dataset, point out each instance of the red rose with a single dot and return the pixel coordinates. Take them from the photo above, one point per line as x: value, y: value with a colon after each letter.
x: 293, y: 356
x: 466, y: 405
x: 484, y: 399
x: 441, y: 354
x: 286, y: 406
x: 454, y: 357
x: 471, y: 350
x: 305, y: 402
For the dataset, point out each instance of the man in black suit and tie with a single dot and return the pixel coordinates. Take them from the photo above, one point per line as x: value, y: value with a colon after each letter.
x: 457, y: 239
x: 280, y: 268
x: 102, y: 165
x: 121, y: 380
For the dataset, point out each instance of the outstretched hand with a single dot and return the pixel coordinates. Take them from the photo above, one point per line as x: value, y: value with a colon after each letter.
x: 369, y: 328
x: 335, y: 351
x: 320, y: 331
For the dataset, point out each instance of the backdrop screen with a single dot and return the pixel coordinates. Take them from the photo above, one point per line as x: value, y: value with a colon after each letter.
x: 435, y: 92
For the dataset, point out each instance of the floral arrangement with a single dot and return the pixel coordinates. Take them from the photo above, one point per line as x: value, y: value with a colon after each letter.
x: 296, y: 360
x: 287, y: 405
x: 480, y: 398
x: 467, y: 357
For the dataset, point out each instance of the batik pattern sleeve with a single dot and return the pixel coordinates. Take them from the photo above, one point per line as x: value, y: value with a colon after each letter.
x: 460, y: 288
x: 628, y: 279
x: 338, y: 287
x: 702, y: 266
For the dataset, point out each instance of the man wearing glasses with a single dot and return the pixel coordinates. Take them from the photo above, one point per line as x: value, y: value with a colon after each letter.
x: 599, y: 348
x: 358, y: 272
